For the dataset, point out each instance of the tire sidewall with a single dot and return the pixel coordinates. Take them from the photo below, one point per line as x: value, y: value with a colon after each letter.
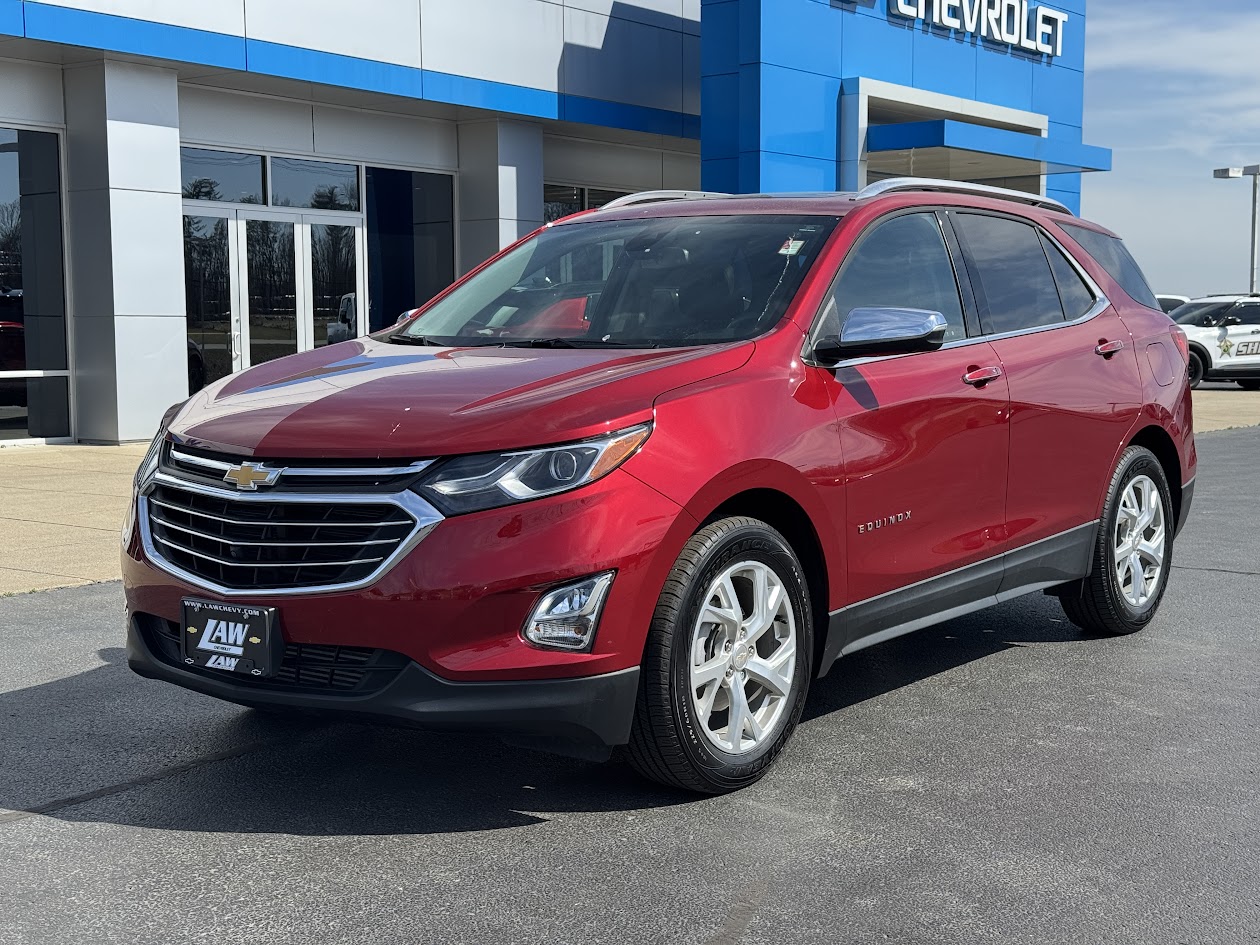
x: 1196, y: 377
x: 1137, y: 462
x: 743, y: 543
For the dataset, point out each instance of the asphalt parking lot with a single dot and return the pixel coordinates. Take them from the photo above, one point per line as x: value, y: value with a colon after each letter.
x: 999, y: 778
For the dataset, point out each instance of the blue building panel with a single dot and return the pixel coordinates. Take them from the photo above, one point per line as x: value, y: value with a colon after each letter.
x: 11, y: 20
x: 800, y: 58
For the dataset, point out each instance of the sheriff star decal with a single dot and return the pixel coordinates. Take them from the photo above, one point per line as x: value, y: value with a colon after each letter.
x: 1226, y: 347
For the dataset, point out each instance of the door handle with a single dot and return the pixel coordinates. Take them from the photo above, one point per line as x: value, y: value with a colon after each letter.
x: 1107, y: 348
x: 978, y: 377
x: 236, y: 344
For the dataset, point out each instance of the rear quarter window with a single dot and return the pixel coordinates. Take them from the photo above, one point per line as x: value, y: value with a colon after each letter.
x: 1111, y: 253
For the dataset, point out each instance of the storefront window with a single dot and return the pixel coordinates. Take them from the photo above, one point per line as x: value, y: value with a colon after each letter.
x: 32, y: 287
x: 560, y: 200
x: 411, y: 240
x: 221, y: 175
x: 319, y: 185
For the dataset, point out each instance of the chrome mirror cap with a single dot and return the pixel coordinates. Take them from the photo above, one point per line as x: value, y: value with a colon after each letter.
x: 884, y: 330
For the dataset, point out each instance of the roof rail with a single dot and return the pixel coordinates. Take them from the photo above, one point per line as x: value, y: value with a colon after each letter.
x: 655, y: 196
x: 900, y: 184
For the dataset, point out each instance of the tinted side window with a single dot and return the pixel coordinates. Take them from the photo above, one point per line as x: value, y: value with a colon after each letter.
x: 902, y: 263
x: 1075, y: 295
x: 1015, y: 286
x: 1247, y: 314
x: 1114, y: 256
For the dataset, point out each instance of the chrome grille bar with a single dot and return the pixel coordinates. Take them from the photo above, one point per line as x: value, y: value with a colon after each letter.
x: 179, y: 518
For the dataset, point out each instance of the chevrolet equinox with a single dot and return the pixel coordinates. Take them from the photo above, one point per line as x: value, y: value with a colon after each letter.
x: 637, y: 480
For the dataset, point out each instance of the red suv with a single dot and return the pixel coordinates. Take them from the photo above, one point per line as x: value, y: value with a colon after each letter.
x: 641, y: 477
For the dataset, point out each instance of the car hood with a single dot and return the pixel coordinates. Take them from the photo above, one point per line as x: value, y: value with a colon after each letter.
x: 368, y: 398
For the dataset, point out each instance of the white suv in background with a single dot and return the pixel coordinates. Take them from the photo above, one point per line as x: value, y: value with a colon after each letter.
x: 1224, y: 335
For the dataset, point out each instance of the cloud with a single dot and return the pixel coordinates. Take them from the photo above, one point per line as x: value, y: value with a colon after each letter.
x: 1171, y: 89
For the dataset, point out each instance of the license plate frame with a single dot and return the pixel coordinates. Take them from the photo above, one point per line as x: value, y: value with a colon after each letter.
x: 232, y: 639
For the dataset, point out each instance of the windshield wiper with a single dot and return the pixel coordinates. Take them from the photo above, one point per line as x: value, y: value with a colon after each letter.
x: 402, y: 338
x: 566, y: 343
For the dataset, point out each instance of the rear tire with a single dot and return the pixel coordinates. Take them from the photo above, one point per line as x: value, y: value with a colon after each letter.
x: 728, y: 661
x: 1196, y: 368
x: 1132, y: 553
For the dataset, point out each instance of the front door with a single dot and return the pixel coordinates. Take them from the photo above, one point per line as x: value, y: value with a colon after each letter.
x: 923, y: 436
x: 262, y: 284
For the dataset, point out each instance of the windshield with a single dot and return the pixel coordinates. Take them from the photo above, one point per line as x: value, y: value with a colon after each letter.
x: 662, y: 282
x: 1200, y: 314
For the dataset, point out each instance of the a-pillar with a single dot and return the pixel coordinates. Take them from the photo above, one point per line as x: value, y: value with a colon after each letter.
x: 126, y: 248
x: 500, y: 186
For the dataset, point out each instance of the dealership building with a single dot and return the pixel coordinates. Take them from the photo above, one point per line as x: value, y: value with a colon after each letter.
x: 190, y: 187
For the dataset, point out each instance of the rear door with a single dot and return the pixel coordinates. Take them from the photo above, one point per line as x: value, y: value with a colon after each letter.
x: 1074, y: 386
x: 924, y: 450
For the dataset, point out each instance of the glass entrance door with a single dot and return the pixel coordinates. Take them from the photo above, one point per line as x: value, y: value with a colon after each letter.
x: 261, y: 285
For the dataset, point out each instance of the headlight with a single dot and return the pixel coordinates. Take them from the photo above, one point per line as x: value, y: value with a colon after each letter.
x: 489, y: 480
x: 149, y: 465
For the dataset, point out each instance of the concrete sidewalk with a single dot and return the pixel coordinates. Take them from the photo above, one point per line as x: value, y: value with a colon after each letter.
x: 61, y: 514
x: 63, y: 506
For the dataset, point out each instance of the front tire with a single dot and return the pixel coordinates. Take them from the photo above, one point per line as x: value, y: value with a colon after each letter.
x: 728, y: 661
x: 1132, y: 554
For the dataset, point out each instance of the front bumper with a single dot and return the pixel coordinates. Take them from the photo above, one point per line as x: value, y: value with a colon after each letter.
x: 585, y: 716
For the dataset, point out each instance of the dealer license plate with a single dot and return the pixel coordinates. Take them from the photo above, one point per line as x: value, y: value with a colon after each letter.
x: 231, y: 638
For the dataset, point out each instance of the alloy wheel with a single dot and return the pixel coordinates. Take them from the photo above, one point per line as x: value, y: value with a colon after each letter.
x: 743, y: 657
x: 1140, y: 540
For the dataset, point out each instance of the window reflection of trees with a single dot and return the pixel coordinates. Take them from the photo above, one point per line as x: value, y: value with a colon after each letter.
x: 207, y: 285
x: 333, y: 271
x: 272, y: 280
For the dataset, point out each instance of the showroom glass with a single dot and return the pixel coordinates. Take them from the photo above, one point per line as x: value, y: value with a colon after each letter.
x: 560, y: 200
x: 1012, y: 277
x: 317, y: 185
x: 669, y: 281
x: 334, y: 275
x: 1076, y: 296
x: 221, y: 175
x: 272, y: 282
x: 208, y: 300
x: 410, y: 240
x: 1111, y: 253
x: 902, y: 263
x: 32, y: 286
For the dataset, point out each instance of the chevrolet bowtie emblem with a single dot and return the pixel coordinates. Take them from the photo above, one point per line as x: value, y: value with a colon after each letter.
x: 249, y: 476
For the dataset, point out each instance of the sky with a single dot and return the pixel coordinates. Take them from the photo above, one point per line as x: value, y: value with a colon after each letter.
x: 1171, y: 87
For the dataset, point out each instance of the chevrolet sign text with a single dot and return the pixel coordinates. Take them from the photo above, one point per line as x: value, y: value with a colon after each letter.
x: 1017, y: 23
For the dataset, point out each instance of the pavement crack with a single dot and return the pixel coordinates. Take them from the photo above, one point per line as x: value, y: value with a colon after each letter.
x: 1183, y: 567
x: 12, y: 816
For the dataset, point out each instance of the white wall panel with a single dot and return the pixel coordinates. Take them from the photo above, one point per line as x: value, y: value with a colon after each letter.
x: 600, y: 164
x: 139, y: 222
x: 663, y: 13
x: 152, y: 354
x: 229, y: 119
x: 680, y: 171
x: 515, y: 41
x: 143, y: 159
x: 219, y: 16
x: 377, y: 138
x: 691, y: 16
x: 608, y: 58
x: 30, y: 93
x: 384, y: 30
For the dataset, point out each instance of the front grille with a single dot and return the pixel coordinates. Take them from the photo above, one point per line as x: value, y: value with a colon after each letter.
x: 265, y: 543
x: 307, y: 667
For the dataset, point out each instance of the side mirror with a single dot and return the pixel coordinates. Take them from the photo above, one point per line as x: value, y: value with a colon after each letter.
x: 1229, y: 321
x: 875, y: 331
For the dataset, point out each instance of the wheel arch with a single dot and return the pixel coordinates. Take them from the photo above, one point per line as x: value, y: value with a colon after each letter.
x: 1156, y: 439
x: 1201, y: 350
x: 788, y: 517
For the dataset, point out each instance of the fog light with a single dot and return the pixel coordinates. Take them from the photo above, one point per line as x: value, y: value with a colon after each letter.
x: 566, y: 618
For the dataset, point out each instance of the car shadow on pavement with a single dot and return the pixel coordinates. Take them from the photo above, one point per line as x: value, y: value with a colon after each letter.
x: 105, y: 746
